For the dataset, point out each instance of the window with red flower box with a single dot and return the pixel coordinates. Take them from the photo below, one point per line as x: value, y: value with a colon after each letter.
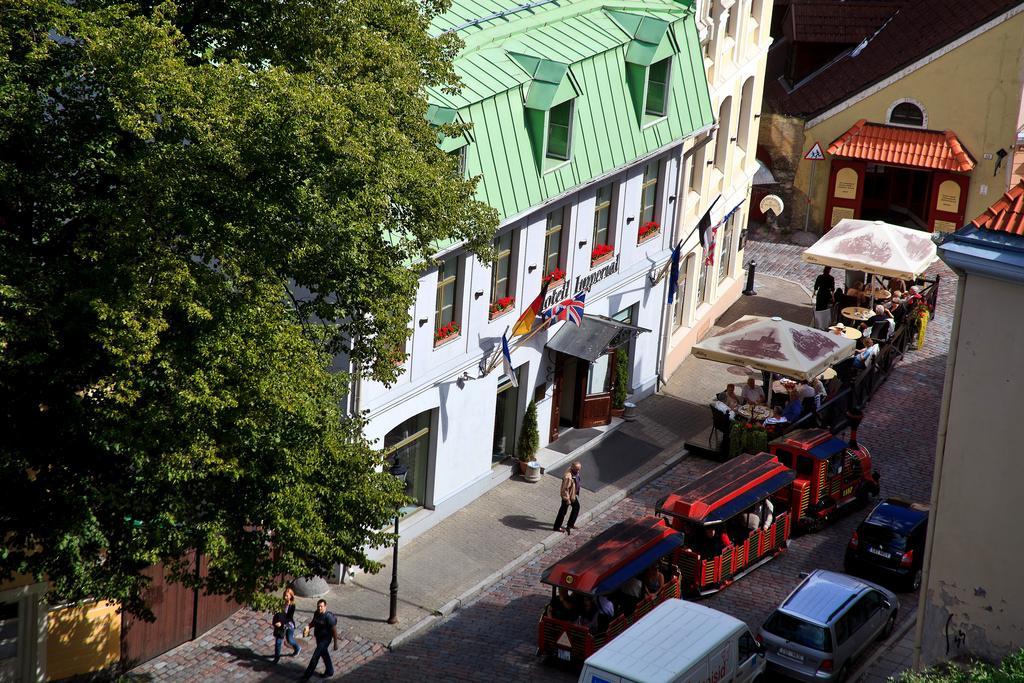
x: 505, y: 303
x: 556, y: 275
x: 648, y: 229
x: 601, y: 252
x: 446, y: 332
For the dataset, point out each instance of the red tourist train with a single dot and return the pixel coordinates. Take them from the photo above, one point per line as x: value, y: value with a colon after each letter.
x: 734, y: 518
x: 831, y: 474
x: 600, y: 568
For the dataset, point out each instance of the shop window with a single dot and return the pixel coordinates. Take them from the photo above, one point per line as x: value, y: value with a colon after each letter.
x: 446, y: 312
x: 501, y: 275
x: 559, y: 134
x: 506, y: 412
x: 725, y: 248
x: 649, y: 193
x: 553, y: 246
x: 907, y: 114
x: 679, y: 305
x: 656, y: 103
x: 407, y: 450
x: 603, y: 216
x: 702, y: 283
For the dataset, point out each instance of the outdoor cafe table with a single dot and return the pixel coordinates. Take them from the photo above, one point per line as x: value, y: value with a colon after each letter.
x: 759, y: 412
x: 848, y: 332
x: 880, y: 294
x: 856, y: 313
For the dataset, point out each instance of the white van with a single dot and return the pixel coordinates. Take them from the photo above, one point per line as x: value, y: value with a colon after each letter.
x: 679, y: 642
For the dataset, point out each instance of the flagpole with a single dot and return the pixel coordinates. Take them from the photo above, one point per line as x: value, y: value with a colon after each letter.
x: 493, y: 363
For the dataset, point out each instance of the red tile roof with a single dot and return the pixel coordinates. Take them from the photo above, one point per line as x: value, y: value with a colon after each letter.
x: 901, y: 146
x: 1007, y: 214
x: 918, y: 29
x: 825, y: 21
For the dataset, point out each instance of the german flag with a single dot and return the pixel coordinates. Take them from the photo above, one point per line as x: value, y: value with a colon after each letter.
x: 525, y: 323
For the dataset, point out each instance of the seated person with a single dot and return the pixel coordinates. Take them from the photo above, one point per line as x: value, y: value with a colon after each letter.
x: 752, y: 393
x: 562, y: 606
x: 732, y: 399
x: 712, y: 543
x: 914, y: 298
x: 629, y: 595
x: 776, y: 417
x: 804, y: 390
x: 605, y: 613
x: 878, y: 324
x: 588, y: 615
x: 895, y: 285
x: 767, y: 513
x: 794, y: 408
x: 653, y: 580
x: 723, y: 408
x: 862, y: 359
x: 856, y: 291
x: 820, y: 393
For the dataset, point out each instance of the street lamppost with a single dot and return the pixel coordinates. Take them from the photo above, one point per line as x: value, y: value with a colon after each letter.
x: 399, y: 471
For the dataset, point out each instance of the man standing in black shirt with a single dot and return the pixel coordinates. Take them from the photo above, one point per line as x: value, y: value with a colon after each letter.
x: 324, y: 625
x: 824, y: 288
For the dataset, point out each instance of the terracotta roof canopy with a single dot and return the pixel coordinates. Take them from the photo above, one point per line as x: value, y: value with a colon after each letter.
x: 899, y: 146
x: 1007, y: 214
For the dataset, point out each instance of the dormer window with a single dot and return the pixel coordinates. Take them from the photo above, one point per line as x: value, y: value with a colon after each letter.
x: 657, y: 88
x: 558, y: 145
x: 907, y: 114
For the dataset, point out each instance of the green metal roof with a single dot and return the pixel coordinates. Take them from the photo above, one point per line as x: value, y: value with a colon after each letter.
x: 541, y: 53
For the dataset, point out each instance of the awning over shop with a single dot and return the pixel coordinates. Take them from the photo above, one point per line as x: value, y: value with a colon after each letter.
x: 593, y: 337
x: 899, y: 146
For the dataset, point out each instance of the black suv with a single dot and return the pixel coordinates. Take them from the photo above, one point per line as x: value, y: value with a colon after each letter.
x: 889, y: 544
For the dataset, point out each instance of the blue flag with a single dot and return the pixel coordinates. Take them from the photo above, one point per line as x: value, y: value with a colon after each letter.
x: 506, y: 362
x: 673, y: 273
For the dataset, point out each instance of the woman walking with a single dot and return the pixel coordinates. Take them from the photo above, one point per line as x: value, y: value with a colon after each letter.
x: 284, y: 625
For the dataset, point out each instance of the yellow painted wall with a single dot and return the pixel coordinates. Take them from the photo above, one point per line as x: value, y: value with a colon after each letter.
x: 974, y: 90
x: 81, y: 639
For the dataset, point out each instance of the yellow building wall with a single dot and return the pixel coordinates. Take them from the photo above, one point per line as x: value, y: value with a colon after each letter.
x: 973, y: 90
x: 81, y: 639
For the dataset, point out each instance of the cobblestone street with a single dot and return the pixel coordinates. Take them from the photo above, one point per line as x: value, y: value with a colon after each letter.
x: 493, y: 638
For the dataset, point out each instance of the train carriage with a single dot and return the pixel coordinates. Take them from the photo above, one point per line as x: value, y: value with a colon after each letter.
x: 730, y: 498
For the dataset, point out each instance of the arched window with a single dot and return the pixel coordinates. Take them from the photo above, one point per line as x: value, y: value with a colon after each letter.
x: 722, y: 141
x: 907, y: 114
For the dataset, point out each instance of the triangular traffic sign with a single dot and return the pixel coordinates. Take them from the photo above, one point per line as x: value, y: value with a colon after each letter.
x: 815, y: 153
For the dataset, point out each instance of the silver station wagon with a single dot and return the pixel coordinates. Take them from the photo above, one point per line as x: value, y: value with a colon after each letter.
x: 823, y: 625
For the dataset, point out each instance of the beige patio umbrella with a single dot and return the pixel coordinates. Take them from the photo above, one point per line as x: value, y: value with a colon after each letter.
x: 874, y: 247
x: 776, y: 345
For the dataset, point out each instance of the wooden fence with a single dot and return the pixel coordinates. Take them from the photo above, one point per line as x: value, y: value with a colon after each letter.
x: 182, y: 614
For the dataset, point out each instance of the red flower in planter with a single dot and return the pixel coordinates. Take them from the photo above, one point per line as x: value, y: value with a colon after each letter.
x: 601, y: 250
x: 502, y: 304
x: 556, y: 275
x: 648, y: 229
x: 446, y: 331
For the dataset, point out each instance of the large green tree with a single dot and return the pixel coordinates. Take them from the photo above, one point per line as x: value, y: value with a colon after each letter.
x: 171, y: 174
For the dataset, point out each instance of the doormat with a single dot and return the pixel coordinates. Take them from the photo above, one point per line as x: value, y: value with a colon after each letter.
x: 572, y: 439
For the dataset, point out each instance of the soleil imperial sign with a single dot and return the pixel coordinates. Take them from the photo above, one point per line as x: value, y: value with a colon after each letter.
x: 583, y: 283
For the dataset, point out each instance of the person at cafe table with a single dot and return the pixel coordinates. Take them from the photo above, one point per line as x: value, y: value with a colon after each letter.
x: 863, y: 358
x: 794, y: 407
x: 752, y: 394
x: 776, y: 417
x: 732, y: 399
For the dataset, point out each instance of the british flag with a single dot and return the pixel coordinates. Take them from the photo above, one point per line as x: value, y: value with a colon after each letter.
x: 568, y: 309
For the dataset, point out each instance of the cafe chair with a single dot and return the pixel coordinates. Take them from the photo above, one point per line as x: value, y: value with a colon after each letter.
x: 720, y: 426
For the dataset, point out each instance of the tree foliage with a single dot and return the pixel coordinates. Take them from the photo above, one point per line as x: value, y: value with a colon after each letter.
x: 1010, y: 670
x: 170, y: 176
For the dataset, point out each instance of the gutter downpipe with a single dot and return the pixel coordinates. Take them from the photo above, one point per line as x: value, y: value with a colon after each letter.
x: 666, y: 313
x: 940, y: 453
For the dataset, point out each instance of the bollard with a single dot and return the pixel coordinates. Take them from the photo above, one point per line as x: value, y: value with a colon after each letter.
x: 751, y: 267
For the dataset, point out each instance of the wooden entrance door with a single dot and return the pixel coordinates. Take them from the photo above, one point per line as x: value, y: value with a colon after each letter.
x: 948, y: 201
x: 845, y: 191
x: 593, y: 409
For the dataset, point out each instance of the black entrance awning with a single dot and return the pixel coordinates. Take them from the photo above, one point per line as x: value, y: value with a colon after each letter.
x: 593, y: 338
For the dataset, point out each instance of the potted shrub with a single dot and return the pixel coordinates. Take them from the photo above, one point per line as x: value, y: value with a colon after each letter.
x: 621, y: 376
x: 529, y: 442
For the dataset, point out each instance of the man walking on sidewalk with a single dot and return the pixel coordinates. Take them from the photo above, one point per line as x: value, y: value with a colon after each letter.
x: 324, y: 625
x: 570, y: 492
